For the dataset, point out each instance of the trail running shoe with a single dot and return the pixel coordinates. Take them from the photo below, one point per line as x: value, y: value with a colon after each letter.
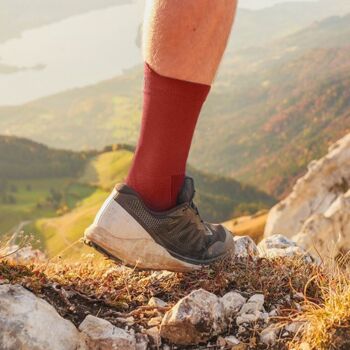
x: 126, y: 229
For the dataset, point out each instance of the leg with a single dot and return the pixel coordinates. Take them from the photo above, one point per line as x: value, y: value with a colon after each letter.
x: 151, y: 221
x: 186, y: 39
x: 183, y: 44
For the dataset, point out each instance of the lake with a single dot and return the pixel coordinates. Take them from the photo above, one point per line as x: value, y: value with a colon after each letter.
x: 77, y: 51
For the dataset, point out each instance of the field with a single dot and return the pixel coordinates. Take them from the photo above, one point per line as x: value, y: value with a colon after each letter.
x: 32, y: 199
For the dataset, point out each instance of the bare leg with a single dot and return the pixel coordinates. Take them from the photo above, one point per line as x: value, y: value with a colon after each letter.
x: 185, y: 39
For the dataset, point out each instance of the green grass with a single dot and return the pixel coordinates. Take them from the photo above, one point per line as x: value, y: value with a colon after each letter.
x: 107, y: 169
x: 31, y: 200
x: 58, y: 233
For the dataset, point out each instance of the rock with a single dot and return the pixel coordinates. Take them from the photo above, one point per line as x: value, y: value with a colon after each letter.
x: 276, y: 242
x: 156, y: 302
x: 141, y: 341
x: 269, y: 335
x: 328, y: 234
x: 273, y: 313
x: 280, y: 246
x: 194, y: 319
x: 245, y: 246
x: 162, y: 275
x: 129, y: 321
x: 232, y: 340
x: 247, y: 318
x: 258, y: 299
x: 294, y: 327
x: 252, y: 311
x: 250, y: 308
x: 28, y: 322
x: 308, y: 212
x: 101, y: 334
x: 232, y: 303
x: 155, y: 335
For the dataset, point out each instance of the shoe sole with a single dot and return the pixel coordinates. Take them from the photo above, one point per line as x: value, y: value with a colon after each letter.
x: 139, y: 253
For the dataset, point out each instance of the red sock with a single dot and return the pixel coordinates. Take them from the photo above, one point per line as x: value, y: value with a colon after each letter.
x: 170, y: 111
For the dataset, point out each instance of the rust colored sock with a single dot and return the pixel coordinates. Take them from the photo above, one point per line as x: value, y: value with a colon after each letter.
x: 170, y: 112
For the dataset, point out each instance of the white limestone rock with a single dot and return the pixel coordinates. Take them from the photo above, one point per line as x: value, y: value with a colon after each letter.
x: 101, y: 334
x: 328, y: 234
x: 258, y: 299
x: 232, y: 303
x: 268, y: 335
x: 232, y: 340
x: 245, y: 246
x: 309, y: 209
x: 280, y: 246
x: 194, y: 319
x: 156, y: 302
x: 276, y: 241
x: 28, y: 322
x: 252, y: 311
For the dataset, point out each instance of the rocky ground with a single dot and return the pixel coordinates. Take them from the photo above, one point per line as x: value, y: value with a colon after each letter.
x: 271, y: 296
x: 274, y: 296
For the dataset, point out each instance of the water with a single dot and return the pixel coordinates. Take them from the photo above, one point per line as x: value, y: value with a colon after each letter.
x: 77, y: 51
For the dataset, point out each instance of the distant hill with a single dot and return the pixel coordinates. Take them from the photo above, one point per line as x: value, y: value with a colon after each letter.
x: 284, y: 111
x: 24, y: 159
x: 272, y: 109
x: 261, y: 27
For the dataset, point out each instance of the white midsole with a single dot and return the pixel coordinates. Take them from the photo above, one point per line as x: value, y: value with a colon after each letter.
x: 139, y: 253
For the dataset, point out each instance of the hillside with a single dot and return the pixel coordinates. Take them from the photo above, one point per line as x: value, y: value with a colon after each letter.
x: 218, y: 198
x: 292, y: 112
x: 273, y: 109
x: 59, y: 192
x: 24, y: 159
x: 261, y: 27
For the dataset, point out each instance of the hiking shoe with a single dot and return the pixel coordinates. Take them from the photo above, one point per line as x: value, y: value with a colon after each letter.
x: 177, y: 239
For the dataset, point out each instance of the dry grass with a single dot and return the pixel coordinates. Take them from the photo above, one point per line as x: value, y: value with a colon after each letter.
x: 303, y: 292
x: 327, y: 323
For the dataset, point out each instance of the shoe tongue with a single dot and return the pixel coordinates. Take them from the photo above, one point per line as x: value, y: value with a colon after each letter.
x: 187, y: 191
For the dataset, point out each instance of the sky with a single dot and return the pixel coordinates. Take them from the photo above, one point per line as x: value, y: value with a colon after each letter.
x: 255, y: 4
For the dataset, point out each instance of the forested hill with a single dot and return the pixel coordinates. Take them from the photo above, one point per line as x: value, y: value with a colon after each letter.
x: 285, y: 111
x: 24, y: 159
